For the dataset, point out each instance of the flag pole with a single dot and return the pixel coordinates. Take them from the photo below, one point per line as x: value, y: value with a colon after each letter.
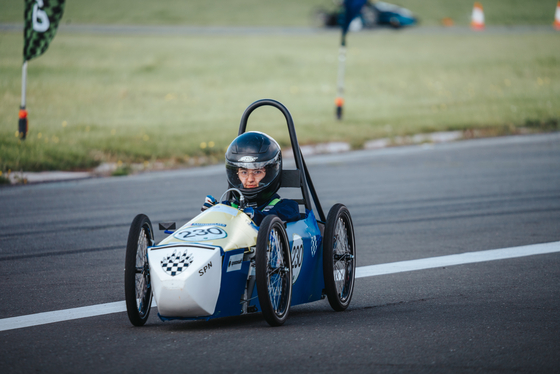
x: 23, y: 124
x: 41, y: 19
x: 339, y: 101
x: 351, y: 10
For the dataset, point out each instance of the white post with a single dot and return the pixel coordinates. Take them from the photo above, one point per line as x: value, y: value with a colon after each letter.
x: 23, y: 83
x: 341, y: 68
x: 340, y: 86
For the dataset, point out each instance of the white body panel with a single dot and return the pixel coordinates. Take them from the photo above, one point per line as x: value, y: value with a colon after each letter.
x: 186, y: 267
x: 191, y: 292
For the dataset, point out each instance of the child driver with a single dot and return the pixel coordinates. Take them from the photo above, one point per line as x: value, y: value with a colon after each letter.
x: 254, y: 165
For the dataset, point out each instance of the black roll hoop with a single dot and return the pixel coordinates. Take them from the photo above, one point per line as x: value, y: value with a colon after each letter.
x: 306, y: 184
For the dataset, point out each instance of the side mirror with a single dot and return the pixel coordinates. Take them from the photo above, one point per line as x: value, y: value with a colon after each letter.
x: 167, y: 226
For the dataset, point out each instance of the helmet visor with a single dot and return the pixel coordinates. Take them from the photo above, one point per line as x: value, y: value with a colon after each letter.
x: 252, y: 176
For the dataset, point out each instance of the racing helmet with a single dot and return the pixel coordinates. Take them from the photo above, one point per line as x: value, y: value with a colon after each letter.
x: 255, y: 150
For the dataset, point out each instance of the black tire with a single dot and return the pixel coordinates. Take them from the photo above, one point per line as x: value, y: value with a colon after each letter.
x: 137, y: 287
x: 339, y: 257
x: 395, y: 23
x: 320, y: 17
x: 273, y: 270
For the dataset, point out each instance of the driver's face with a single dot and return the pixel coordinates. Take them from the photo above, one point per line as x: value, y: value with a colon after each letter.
x: 251, y: 177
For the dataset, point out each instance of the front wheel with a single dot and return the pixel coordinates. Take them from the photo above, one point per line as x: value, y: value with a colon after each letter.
x: 339, y: 257
x: 273, y: 270
x: 137, y: 287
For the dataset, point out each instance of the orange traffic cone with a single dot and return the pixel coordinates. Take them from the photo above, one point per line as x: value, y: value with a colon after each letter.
x: 477, y: 19
x: 557, y: 17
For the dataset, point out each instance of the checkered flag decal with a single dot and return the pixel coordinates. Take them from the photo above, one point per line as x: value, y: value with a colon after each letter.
x: 176, y: 262
x: 41, y: 19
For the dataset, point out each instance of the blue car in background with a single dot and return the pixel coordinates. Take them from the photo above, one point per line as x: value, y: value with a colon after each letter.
x: 373, y: 14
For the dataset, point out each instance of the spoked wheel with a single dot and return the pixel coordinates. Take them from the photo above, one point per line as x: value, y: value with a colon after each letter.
x: 339, y: 257
x: 137, y: 287
x: 273, y: 270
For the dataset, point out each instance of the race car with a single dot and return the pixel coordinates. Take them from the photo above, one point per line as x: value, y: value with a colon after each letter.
x: 221, y: 264
x: 372, y: 15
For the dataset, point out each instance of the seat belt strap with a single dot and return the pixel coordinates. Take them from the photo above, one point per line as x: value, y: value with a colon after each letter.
x: 271, y: 205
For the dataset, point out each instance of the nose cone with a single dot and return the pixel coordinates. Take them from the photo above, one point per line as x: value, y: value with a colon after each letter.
x: 185, y: 279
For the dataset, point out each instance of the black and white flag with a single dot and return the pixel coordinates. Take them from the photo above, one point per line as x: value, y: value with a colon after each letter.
x: 41, y: 21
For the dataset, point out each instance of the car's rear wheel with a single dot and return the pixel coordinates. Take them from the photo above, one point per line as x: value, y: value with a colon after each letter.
x: 137, y: 287
x: 273, y: 270
x: 339, y: 257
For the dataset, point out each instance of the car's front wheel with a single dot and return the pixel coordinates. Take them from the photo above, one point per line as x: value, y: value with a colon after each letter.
x: 273, y: 270
x: 137, y: 287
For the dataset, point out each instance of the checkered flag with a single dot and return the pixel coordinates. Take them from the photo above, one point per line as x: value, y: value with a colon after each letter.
x: 41, y: 21
x: 176, y: 262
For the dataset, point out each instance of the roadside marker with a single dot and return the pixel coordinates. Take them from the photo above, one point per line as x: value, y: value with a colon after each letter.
x: 557, y: 17
x: 477, y: 18
x: 38, y: 319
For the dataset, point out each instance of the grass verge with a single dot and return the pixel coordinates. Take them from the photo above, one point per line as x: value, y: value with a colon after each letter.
x: 94, y: 99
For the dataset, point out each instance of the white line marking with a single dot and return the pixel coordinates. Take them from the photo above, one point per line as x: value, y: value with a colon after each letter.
x: 460, y: 259
x: 61, y: 315
x: 361, y: 272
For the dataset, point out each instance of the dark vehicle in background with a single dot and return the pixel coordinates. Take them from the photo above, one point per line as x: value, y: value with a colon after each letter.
x: 373, y: 14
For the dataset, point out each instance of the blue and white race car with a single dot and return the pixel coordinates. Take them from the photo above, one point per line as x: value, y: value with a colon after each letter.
x: 373, y: 14
x: 221, y: 264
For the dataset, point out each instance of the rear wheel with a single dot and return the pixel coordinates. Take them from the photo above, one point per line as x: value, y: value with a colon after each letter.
x: 273, y: 270
x: 395, y: 22
x: 137, y: 287
x: 339, y: 257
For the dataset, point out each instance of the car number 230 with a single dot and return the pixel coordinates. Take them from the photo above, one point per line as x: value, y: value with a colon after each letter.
x: 200, y: 233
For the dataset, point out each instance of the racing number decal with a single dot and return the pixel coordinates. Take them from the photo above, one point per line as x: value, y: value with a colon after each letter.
x: 200, y: 233
x: 297, y: 256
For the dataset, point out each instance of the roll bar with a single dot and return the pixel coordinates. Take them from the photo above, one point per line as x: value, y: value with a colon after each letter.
x: 305, y: 182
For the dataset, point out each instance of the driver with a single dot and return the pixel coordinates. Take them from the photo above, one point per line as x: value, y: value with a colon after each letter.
x: 253, y: 166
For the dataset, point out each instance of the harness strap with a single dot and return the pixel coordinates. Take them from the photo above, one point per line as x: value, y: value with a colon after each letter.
x: 271, y: 205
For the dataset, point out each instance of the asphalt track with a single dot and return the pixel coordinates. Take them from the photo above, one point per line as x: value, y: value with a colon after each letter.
x: 62, y: 247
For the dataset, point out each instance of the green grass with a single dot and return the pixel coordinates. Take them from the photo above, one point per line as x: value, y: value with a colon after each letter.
x: 277, y: 13
x: 141, y: 99
x: 178, y: 12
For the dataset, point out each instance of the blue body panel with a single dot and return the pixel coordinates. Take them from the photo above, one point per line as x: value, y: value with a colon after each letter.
x: 387, y: 18
x: 232, y: 287
x: 309, y: 282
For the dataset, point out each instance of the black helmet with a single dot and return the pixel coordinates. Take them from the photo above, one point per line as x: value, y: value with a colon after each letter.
x: 255, y: 150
